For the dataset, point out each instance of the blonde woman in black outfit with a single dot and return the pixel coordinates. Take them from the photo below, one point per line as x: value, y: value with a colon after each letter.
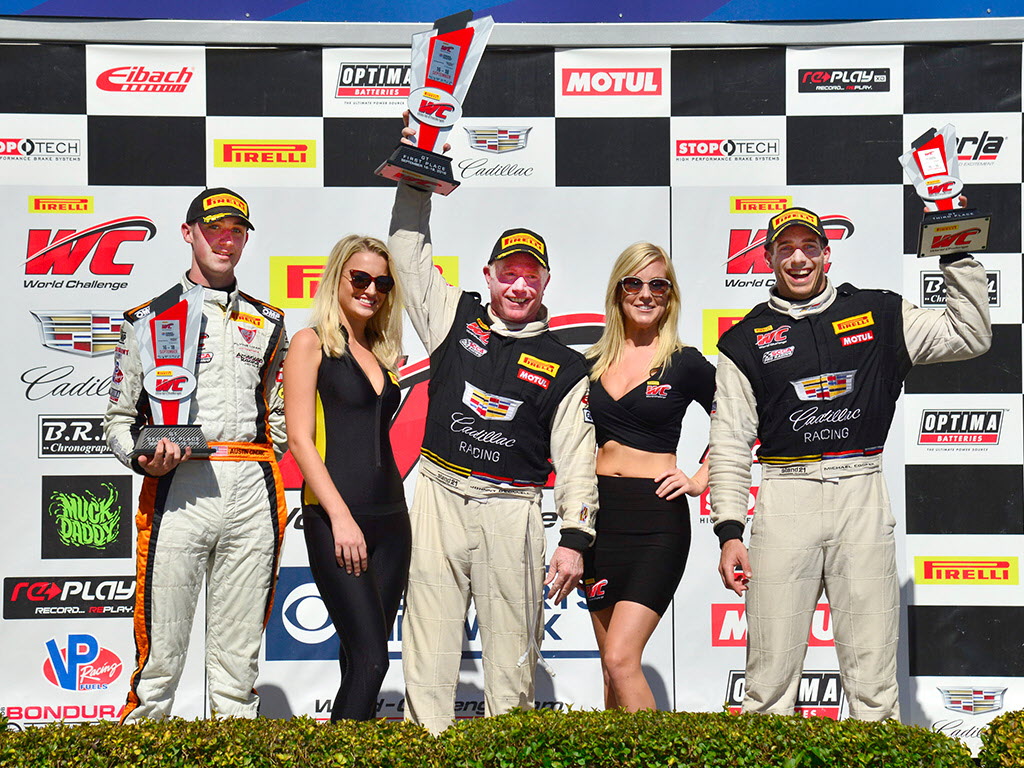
x: 342, y: 395
x: 642, y: 380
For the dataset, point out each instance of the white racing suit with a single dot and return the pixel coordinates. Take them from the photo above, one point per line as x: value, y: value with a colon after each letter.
x: 474, y: 537
x: 221, y: 519
x: 817, y: 383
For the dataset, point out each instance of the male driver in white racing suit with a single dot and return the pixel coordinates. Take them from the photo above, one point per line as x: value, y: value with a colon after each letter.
x: 221, y: 518
x: 505, y: 396
x: 814, y: 373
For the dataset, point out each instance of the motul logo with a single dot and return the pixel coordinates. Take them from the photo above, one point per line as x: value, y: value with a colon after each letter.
x: 729, y: 626
x: 611, y: 82
x: 63, y: 252
x: 389, y: 80
x: 140, y: 79
x: 979, y: 148
x: 955, y: 239
x: 746, y: 246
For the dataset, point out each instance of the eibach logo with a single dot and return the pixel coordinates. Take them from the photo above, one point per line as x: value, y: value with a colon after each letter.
x: 612, y: 82
x: 63, y: 252
x: 984, y: 148
x: 138, y: 79
x: 373, y: 80
x: 843, y: 80
x: 746, y: 246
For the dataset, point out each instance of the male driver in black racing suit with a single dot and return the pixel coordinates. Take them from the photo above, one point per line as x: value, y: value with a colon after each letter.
x: 814, y: 373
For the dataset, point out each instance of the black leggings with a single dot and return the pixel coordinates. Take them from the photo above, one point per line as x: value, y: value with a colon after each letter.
x: 362, y: 608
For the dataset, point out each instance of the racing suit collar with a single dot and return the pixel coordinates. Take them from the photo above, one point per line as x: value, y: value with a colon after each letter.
x: 519, y: 330
x: 798, y: 309
x: 224, y: 298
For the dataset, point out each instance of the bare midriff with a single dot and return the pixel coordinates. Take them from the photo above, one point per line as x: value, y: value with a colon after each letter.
x: 618, y: 460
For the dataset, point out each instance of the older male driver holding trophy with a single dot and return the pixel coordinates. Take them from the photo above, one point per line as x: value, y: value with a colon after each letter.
x: 814, y: 373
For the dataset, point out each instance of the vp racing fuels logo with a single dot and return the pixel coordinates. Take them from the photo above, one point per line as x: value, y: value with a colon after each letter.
x: 488, y: 406
x: 81, y: 665
x: 825, y: 386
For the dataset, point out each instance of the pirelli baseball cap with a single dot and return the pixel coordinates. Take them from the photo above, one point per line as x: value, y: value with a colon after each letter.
x: 216, y: 203
x: 791, y: 216
x: 520, y: 240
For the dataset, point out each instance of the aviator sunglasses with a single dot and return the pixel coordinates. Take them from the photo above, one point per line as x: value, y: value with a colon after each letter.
x: 659, y: 286
x: 361, y: 281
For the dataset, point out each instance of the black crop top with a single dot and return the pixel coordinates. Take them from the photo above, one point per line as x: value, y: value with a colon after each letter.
x: 649, y: 417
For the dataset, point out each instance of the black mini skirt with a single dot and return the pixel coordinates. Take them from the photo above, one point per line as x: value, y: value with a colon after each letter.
x: 641, y: 547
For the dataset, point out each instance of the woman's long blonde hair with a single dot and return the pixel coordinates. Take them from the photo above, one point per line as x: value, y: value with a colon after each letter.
x: 384, y: 329
x: 608, y: 349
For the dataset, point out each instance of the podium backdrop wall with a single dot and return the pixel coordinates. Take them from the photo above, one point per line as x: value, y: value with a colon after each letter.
x: 595, y: 148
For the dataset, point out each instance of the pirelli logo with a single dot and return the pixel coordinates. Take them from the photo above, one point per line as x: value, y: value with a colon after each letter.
x: 795, y: 215
x: 243, y: 317
x: 759, y: 204
x: 264, y: 154
x: 996, y: 571
x: 529, y: 361
x: 53, y: 204
x: 216, y: 201
x: 854, y: 323
x: 522, y: 239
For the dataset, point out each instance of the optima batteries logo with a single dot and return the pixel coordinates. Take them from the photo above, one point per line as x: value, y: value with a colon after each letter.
x: 373, y: 80
x: 264, y: 153
x: 138, y: 79
x: 995, y: 571
x: 975, y: 427
x: 820, y: 694
x: 86, y: 516
x: 81, y: 665
x: 843, y: 80
x: 611, y: 82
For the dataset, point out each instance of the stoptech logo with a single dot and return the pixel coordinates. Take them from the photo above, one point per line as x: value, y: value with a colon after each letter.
x: 138, y: 79
x: 979, y: 149
x: 975, y: 427
x: 759, y: 205
x: 82, y: 332
x: 59, y: 204
x: 972, y: 701
x: 820, y: 694
x: 843, y: 80
x: 63, y: 597
x: 729, y: 626
x: 62, y: 252
x: 933, y: 289
x: 373, y: 80
x: 746, y: 249
x: 267, y: 153
x: 82, y: 665
x: 728, y: 149
x: 994, y: 571
x: 40, y: 149
x: 611, y: 82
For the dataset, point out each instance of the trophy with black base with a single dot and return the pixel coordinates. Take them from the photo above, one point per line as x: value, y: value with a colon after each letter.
x: 946, y: 228
x: 444, y: 60
x: 168, y: 347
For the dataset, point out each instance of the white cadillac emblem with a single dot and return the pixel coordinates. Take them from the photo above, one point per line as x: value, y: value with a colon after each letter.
x: 80, y: 332
x: 972, y: 701
x: 498, y: 140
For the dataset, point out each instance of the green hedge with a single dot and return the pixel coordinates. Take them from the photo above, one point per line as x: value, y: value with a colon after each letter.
x: 1002, y: 741
x: 515, y: 740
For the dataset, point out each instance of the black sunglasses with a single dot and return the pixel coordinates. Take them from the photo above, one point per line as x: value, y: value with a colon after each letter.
x: 659, y: 286
x: 361, y: 281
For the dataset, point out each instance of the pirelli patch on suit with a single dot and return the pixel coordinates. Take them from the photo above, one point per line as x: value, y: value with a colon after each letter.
x: 854, y: 323
x: 529, y: 361
x: 244, y: 317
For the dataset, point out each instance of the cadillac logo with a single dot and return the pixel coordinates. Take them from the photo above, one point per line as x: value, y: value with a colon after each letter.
x: 972, y: 701
x: 498, y: 140
x: 80, y: 332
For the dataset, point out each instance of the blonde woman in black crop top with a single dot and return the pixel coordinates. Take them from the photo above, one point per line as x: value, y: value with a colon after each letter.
x: 642, y: 380
x: 342, y: 393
